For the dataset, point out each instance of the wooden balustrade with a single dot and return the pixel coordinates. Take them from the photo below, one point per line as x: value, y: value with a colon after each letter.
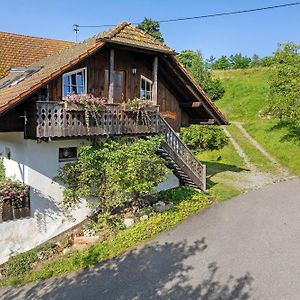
x: 46, y: 119
x: 182, y: 155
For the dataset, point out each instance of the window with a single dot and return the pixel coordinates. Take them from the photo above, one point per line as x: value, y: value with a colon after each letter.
x: 75, y: 82
x: 23, y: 73
x: 67, y: 154
x: 146, y: 88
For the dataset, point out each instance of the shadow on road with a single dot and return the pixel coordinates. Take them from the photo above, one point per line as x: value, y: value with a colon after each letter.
x: 155, y: 271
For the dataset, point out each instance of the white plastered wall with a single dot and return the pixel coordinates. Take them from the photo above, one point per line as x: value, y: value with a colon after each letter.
x: 37, y: 164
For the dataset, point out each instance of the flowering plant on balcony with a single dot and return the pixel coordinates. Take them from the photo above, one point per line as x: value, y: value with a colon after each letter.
x: 138, y: 104
x: 140, y: 109
x: 84, y: 102
x: 14, y: 191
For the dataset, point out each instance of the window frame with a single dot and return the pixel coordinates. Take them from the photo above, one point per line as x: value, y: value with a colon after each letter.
x: 151, y: 83
x: 84, y: 69
x: 67, y: 159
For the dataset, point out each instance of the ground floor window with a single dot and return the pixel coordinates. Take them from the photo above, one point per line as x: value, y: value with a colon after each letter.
x: 67, y: 154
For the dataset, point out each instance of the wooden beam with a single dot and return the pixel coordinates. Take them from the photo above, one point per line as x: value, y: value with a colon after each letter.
x: 190, y: 104
x: 211, y: 112
x: 111, y: 75
x: 203, y: 121
x: 154, y: 77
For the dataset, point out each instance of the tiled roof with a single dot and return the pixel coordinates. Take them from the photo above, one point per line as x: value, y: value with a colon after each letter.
x: 55, y: 64
x: 133, y: 36
x: 22, y: 50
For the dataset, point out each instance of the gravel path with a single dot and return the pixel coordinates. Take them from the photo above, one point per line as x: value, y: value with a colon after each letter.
x: 253, y: 178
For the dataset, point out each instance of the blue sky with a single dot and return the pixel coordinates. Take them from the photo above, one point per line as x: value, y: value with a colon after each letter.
x: 251, y: 33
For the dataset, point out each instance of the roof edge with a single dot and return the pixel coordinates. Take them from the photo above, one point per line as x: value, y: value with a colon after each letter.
x: 200, y: 89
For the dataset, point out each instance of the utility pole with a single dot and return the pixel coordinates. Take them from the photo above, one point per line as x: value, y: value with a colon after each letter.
x: 76, y: 29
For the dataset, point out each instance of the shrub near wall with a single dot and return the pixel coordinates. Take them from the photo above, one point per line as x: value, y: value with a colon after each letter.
x: 204, y: 137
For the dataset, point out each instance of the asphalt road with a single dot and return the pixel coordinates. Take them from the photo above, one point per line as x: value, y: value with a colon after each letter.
x: 245, y: 248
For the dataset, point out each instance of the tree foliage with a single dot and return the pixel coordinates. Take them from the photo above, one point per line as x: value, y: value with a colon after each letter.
x: 204, y: 137
x: 114, y: 173
x: 194, y: 62
x: 152, y: 28
x: 285, y: 83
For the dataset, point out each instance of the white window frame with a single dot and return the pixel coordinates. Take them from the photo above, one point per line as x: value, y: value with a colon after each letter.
x: 149, y: 81
x: 74, y: 72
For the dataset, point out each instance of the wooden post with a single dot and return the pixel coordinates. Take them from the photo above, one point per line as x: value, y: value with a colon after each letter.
x: 154, y: 76
x: 111, y: 76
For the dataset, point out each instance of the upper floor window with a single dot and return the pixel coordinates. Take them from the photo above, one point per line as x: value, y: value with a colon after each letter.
x: 146, y: 88
x: 75, y: 82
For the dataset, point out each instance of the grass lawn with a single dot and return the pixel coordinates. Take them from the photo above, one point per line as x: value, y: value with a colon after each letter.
x: 255, y: 156
x: 219, y: 162
x: 281, y: 146
x: 245, y: 98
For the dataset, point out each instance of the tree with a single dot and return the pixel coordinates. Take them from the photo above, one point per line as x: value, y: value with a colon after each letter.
x: 285, y: 83
x: 112, y: 174
x: 152, y: 28
x: 222, y: 63
x: 255, y: 61
x: 239, y: 61
x: 194, y: 62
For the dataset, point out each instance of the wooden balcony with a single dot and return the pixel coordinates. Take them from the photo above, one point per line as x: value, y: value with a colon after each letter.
x: 50, y: 119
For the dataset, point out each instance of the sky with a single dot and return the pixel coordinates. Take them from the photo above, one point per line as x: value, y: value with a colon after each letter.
x: 258, y: 32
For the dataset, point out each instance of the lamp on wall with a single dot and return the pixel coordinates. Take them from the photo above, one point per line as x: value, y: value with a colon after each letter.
x: 133, y: 70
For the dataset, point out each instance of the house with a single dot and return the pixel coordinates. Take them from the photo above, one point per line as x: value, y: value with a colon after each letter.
x: 38, y: 135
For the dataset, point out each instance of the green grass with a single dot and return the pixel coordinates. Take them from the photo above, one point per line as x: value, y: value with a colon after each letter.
x: 186, y: 202
x: 245, y: 98
x: 276, y: 141
x: 246, y: 93
x: 218, y: 162
x: 254, y: 155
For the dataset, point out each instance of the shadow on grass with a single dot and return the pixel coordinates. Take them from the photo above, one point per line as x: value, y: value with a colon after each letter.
x: 293, y: 134
x: 156, y: 271
x: 214, y: 167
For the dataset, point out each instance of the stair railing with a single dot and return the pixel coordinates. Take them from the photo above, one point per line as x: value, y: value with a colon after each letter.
x: 184, y: 153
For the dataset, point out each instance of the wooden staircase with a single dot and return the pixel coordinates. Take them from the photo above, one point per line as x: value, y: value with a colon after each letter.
x: 189, y: 170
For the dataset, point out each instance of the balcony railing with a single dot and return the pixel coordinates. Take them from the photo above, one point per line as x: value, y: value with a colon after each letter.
x: 50, y: 119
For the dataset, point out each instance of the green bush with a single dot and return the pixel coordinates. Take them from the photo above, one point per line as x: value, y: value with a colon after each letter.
x: 20, y: 263
x: 23, y: 262
x: 204, y: 137
x: 2, y: 171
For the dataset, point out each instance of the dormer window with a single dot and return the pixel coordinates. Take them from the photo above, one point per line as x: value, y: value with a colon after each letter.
x: 21, y: 73
x: 146, y: 88
x: 75, y: 82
